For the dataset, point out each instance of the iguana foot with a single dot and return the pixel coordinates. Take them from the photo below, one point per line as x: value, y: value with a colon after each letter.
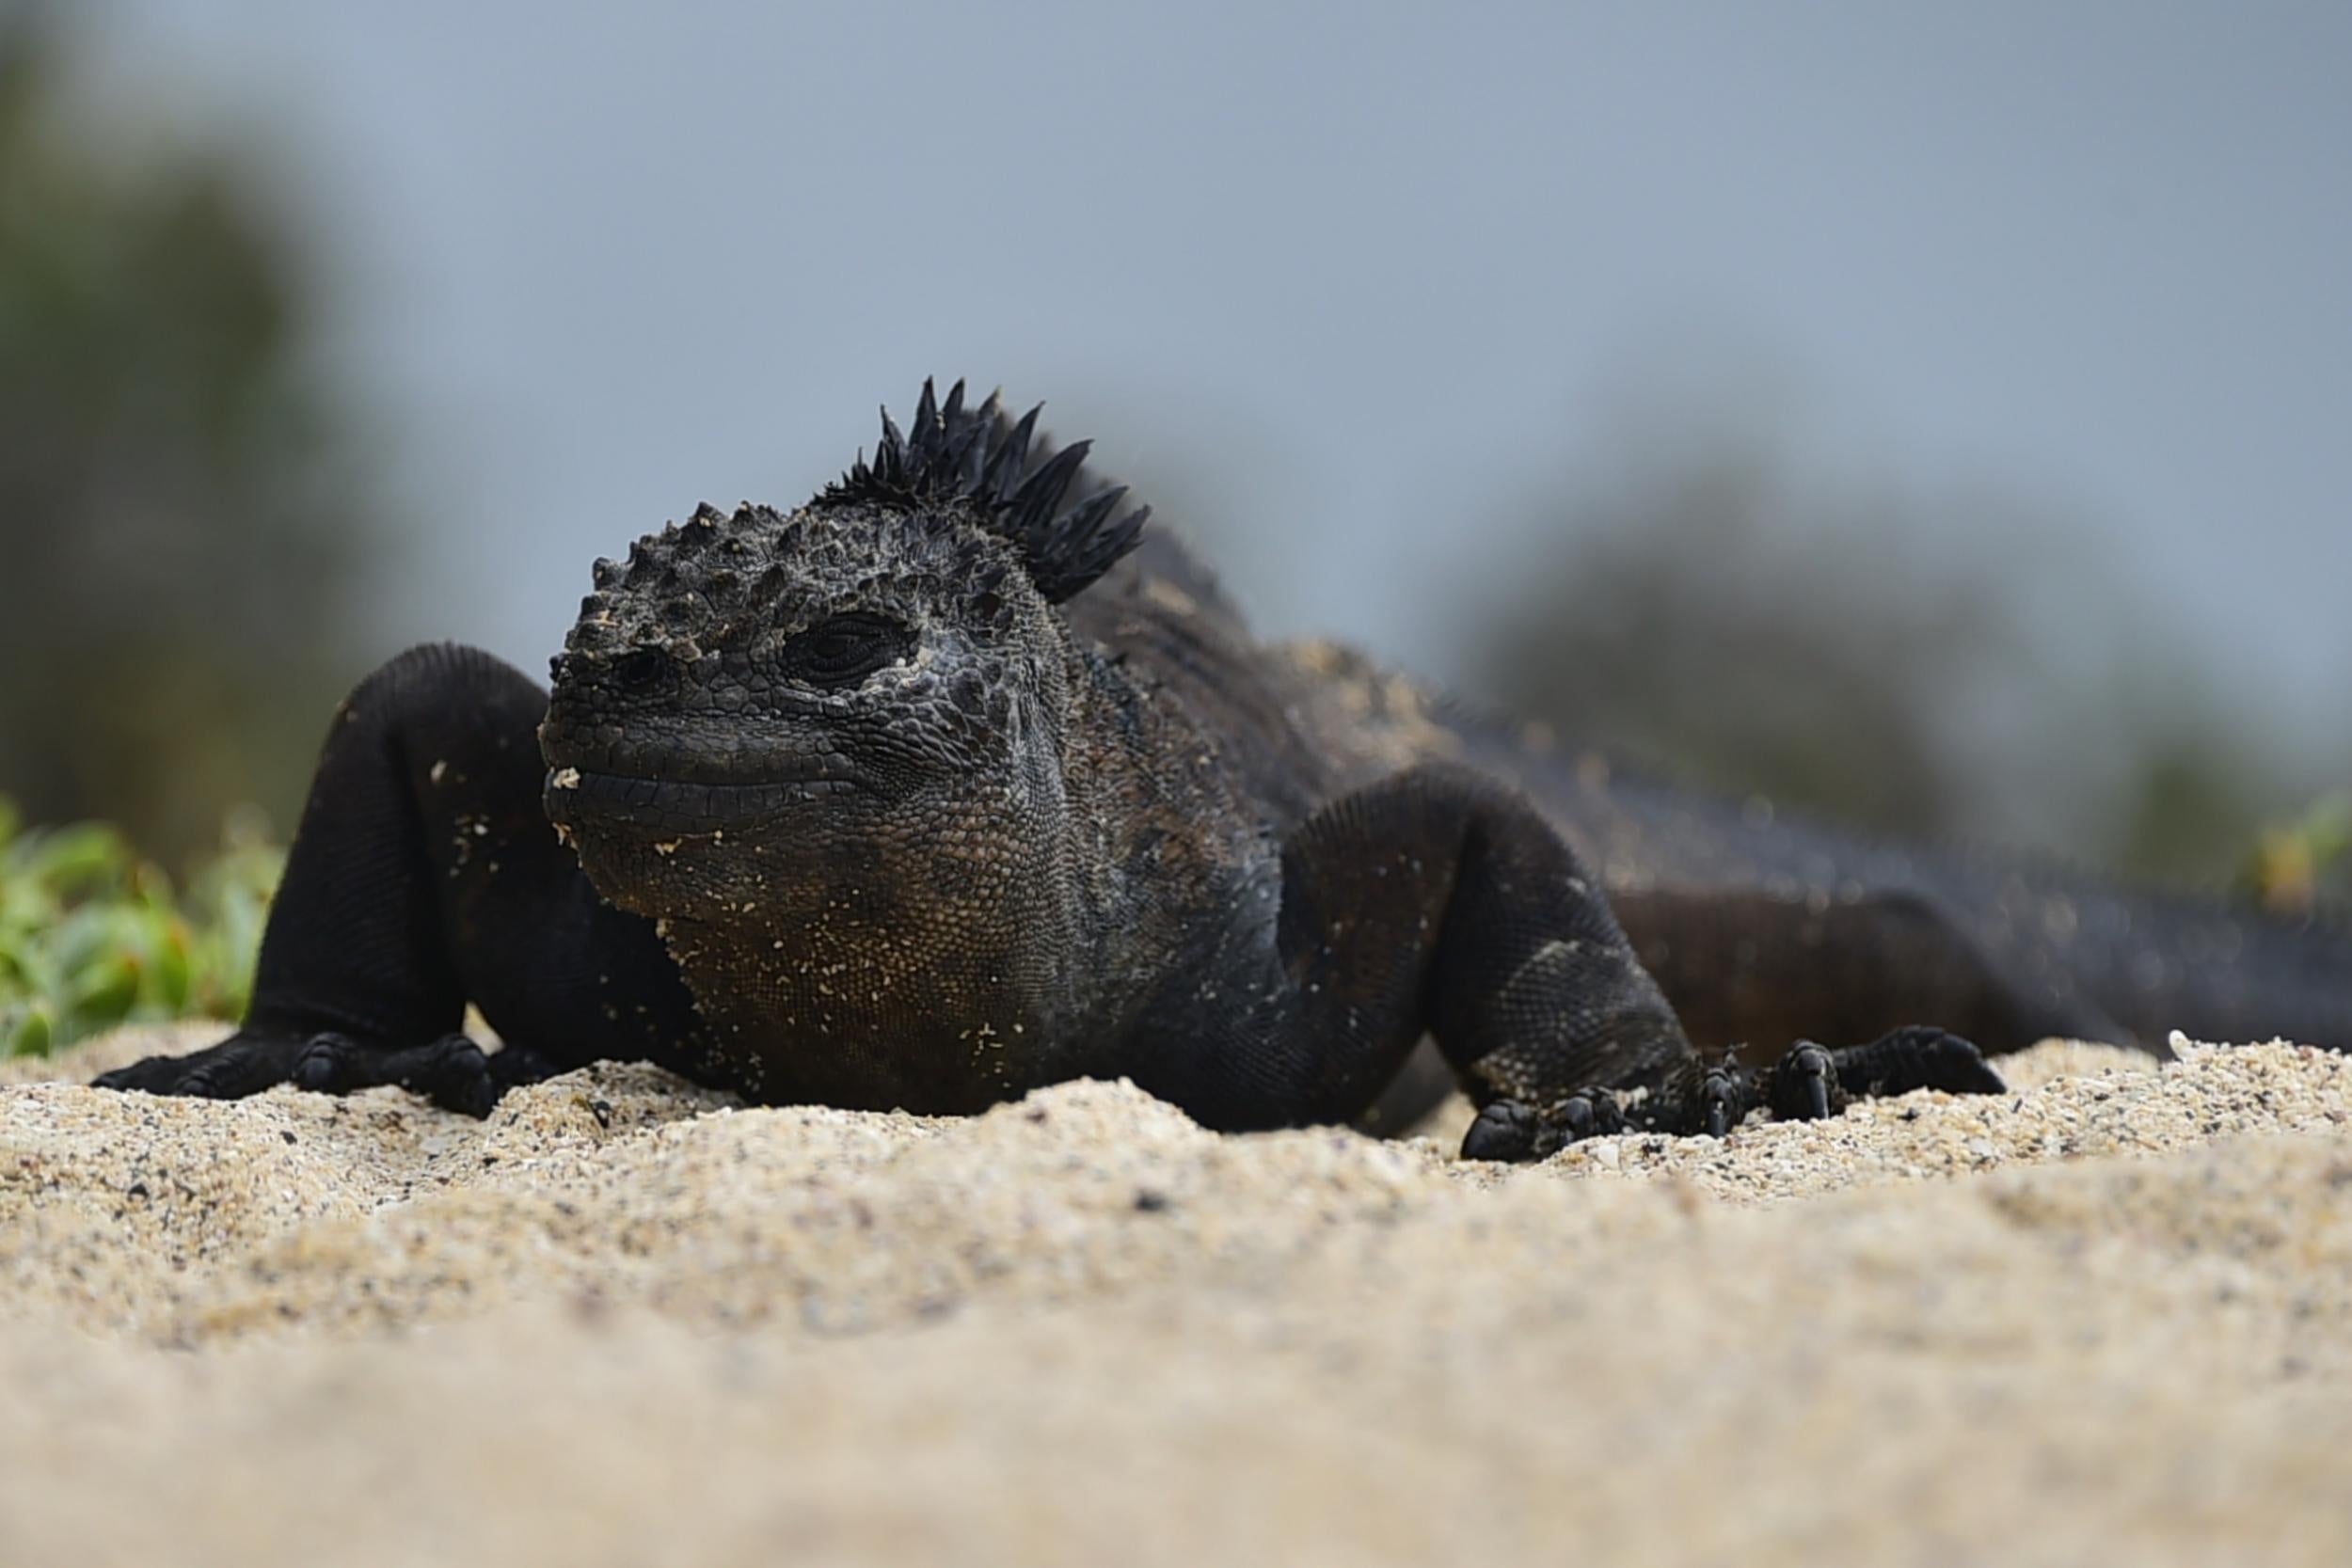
x: 1720, y: 1099
x: 1511, y: 1129
x: 1813, y: 1083
x: 1804, y: 1086
x: 452, y: 1071
x: 239, y: 1065
x: 1918, y: 1057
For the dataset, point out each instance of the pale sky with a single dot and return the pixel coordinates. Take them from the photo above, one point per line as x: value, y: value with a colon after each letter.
x: 1350, y: 278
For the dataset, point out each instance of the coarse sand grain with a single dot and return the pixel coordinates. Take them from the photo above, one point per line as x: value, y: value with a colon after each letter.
x: 2104, y: 1318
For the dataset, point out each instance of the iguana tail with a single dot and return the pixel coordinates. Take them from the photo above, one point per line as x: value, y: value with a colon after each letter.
x: 2228, y: 971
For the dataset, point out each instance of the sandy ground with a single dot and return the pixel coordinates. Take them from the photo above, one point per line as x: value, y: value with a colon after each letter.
x: 2104, y: 1319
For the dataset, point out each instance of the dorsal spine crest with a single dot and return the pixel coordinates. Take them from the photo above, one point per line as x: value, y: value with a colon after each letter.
x: 975, y: 458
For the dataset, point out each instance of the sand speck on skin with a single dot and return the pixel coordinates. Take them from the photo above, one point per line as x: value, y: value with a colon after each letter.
x: 2106, y: 1317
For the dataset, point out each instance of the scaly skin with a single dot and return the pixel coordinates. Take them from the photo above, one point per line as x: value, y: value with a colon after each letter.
x: 952, y: 783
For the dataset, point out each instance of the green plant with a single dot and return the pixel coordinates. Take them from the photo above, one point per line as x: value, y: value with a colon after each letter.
x: 92, y: 935
x: 2291, y: 863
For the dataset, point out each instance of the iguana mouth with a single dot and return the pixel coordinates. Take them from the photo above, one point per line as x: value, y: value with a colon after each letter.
x: 678, y: 805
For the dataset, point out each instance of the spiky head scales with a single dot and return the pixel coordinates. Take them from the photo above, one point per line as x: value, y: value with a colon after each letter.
x: 1013, y: 486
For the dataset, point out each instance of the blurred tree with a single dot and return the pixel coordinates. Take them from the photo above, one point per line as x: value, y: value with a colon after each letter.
x: 1964, y: 666
x: 1682, y: 625
x: 183, y: 537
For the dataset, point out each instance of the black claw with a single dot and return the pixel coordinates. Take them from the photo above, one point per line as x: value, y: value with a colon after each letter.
x: 322, y: 1067
x: 1722, y: 1100
x: 1957, y: 1067
x: 1505, y: 1130
x: 1509, y: 1129
x: 1805, y: 1086
x: 469, y: 1096
x: 461, y: 1079
x: 517, y: 1065
x: 452, y: 1072
x: 138, y: 1075
x: 1917, y: 1057
x: 1592, y: 1114
x: 1976, y: 1076
x: 1576, y: 1119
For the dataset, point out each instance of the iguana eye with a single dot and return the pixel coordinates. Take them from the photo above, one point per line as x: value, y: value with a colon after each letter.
x: 642, y: 669
x: 846, y: 648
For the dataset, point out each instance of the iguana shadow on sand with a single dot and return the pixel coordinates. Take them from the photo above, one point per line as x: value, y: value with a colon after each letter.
x: 954, y: 783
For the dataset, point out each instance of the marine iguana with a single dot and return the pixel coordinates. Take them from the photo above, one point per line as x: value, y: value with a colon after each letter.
x: 955, y: 782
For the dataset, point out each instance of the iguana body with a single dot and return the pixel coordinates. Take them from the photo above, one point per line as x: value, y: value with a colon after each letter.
x: 952, y: 783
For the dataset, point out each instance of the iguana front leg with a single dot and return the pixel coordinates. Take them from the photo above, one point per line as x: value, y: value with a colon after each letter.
x: 425, y: 875
x: 1441, y: 900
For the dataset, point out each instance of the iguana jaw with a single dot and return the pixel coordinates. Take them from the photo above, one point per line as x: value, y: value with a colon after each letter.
x: 699, y: 833
x: 671, y: 806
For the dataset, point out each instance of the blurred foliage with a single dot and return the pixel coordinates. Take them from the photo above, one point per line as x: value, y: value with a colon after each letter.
x: 92, y: 936
x: 2294, y: 863
x: 184, y: 537
x: 1944, y: 666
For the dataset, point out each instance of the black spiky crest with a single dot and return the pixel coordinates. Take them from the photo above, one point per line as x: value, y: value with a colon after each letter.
x: 976, y: 457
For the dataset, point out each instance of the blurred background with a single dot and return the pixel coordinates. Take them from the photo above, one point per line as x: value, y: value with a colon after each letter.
x: 1938, y: 419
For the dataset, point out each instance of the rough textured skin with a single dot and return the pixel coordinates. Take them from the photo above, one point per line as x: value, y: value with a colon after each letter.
x: 953, y: 782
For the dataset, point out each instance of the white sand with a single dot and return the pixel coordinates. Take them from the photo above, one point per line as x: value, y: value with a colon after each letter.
x: 2108, y: 1318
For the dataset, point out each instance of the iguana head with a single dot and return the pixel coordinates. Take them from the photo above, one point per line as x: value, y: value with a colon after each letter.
x: 768, y: 709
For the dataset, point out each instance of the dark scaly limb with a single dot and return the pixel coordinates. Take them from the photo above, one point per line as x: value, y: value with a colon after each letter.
x: 424, y: 876
x: 1439, y: 900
